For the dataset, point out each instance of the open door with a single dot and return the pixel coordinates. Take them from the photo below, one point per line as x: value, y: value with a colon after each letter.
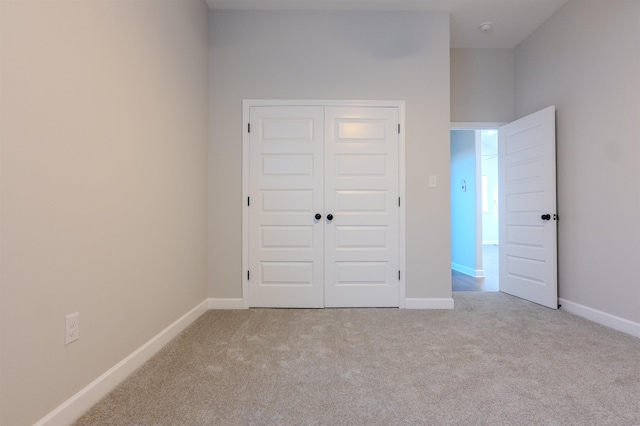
x: 527, y: 208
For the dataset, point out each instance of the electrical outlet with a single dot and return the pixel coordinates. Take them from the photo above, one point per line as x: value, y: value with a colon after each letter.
x: 72, y: 328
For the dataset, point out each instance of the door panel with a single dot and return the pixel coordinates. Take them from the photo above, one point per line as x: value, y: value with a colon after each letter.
x: 353, y: 237
x: 287, y: 237
x: 287, y: 273
x: 353, y: 129
x: 528, y: 263
x: 361, y: 273
x: 287, y: 165
x: 352, y: 202
x: 361, y: 192
x: 360, y: 165
x: 286, y: 191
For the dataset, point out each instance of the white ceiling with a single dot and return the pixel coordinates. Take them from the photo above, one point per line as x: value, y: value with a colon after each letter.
x: 513, y: 20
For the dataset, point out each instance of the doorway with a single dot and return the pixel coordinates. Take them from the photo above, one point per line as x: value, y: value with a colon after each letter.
x: 527, y: 206
x: 474, y: 208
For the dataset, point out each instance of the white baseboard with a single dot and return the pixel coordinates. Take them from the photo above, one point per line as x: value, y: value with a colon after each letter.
x: 430, y: 303
x: 225, y: 303
x: 79, y: 403
x: 477, y: 273
x: 612, y: 321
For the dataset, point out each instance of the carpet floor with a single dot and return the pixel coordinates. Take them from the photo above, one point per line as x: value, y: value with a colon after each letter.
x: 493, y: 360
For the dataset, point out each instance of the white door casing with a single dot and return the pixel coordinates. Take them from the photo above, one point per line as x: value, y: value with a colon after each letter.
x: 527, y: 208
x: 290, y: 174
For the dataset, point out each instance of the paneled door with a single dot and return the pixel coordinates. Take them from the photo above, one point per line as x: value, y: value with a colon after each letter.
x: 323, y: 207
x: 286, y: 241
x: 361, y: 193
x: 527, y: 206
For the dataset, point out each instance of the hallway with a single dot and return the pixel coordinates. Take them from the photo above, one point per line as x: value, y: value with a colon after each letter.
x: 490, y: 259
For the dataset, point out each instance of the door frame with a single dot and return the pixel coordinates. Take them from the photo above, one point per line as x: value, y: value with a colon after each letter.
x: 248, y: 103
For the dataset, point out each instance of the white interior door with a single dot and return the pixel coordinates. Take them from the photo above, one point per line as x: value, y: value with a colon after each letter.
x: 527, y: 208
x: 361, y: 193
x: 323, y: 207
x: 286, y: 192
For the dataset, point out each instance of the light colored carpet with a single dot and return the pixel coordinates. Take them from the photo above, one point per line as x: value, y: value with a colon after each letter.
x: 494, y: 360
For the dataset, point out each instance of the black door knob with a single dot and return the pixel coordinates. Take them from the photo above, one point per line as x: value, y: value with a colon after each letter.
x: 329, y: 216
x: 546, y: 217
x: 318, y: 216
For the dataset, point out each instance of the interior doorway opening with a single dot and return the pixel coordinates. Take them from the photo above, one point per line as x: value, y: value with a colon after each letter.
x: 474, y: 208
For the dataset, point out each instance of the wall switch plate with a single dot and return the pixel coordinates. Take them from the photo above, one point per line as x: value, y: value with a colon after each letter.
x: 433, y: 181
x: 72, y: 328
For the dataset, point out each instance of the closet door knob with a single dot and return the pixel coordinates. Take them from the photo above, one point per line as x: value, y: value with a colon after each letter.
x: 329, y: 216
x: 318, y: 216
x: 545, y: 217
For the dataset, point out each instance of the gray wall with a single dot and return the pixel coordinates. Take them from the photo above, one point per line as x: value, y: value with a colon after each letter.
x: 333, y: 55
x: 104, y: 140
x: 586, y: 60
x: 482, y: 85
x: 463, y: 203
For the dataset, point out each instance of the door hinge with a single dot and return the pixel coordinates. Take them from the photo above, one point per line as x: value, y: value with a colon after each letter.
x: 248, y: 201
x: 398, y: 201
x: 398, y: 275
x: 248, y: 127
x: 398, y: 128
x: 248, y: 276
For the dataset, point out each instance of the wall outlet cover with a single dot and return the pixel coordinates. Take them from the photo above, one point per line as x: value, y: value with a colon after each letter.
x: 72, y: 328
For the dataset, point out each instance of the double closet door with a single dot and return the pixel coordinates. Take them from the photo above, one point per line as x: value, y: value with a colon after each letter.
x: 323, y: 207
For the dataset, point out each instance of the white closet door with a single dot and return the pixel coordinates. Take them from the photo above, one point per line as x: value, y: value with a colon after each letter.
x: 361, y: 193
x: 286, y: 192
